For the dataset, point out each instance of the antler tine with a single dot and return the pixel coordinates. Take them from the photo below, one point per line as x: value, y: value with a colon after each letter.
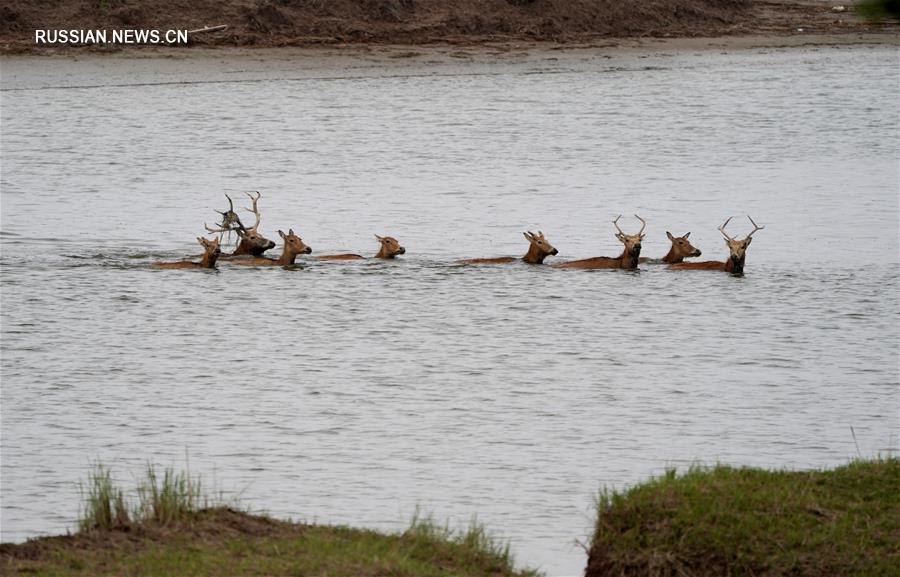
x: 254, y: 210
x: 643, y: 224
x: 616, y: 224
x: 756, y: 227
x: 722, y: 228
x: 214, y: 230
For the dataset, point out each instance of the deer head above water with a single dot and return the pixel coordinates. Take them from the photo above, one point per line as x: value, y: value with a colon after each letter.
x: 208, y: 260
x: 737, y: 249
x: 390, y: 248
x: 627, y: 260
x: 680, y: 250
x: 251, y: 243
x: 293, y: 246
x: 539, y: 248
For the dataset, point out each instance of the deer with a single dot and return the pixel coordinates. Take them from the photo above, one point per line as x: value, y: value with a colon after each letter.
x: 208, y: 260
x: 293, y: 246
x: 627, y: 260
x: 252, y: 243
x: 390, y: 248
x: 737, y: 248
x: 681, y: 249
x: 539, y: 249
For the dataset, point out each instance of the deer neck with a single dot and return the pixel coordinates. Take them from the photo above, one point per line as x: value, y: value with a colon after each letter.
x: 735, y: 267
x: 672, y: 256
x: 383, y: 253
x: 209, y: 260
x: 287, y: 256
x: 242, y: 248
x: 534, y: 255
x: 629, y: 259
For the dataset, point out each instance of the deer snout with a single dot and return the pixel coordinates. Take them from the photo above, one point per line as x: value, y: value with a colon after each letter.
x: 307, y: 250
x: 269, y: 245
x: 696, y: 253
x: 401, y: 250
x: 554, y: 252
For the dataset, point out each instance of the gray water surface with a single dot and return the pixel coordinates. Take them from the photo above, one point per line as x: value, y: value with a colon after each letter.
x: 353, y: 392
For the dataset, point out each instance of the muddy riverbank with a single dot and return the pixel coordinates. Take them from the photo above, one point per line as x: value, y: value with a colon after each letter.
x: 305, y: 23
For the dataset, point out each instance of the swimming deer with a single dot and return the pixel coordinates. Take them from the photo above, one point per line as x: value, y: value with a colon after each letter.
x: 538, y: 250
x: 681, y: 249
x: 208, y: 260
x: 292, y: 247
x: 252, y: 243
x: 390, y: 248
x: 735, y: 262
x: 627, y: 260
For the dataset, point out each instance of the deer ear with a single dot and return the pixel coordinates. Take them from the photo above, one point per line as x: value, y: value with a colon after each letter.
x: 669, y: 234
x: 528, y: 236
x: 747, y: 240
x: 201, y: 240
x: 687, y: 235
x: 620, y: 236
x: 281, y: 234
x: 290, y: 231
x: 379, y: 238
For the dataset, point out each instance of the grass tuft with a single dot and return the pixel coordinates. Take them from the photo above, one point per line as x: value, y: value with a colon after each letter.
x: 102, y: 503
x: 169, y: 498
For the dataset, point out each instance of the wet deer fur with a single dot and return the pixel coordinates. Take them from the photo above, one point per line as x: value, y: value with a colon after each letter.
x: 627, y: 260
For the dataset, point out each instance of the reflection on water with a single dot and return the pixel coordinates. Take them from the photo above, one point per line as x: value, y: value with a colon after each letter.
x: 350, y: 392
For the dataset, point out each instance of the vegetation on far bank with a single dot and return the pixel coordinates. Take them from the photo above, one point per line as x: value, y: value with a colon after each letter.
x: 744, y: 521
x: 174, y: 529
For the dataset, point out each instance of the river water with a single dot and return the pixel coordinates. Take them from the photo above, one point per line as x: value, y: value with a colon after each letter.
x: 353, y: 392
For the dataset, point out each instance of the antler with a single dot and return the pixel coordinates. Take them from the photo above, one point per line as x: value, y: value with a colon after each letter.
x: 254, y: 210
x: 230, y: 220
x: 756, y: 227
x: 616, y: 224
x: 722, y: 228
x: 643, y: 224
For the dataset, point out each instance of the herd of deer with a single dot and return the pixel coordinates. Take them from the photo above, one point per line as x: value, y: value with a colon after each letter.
x: 252, y: 245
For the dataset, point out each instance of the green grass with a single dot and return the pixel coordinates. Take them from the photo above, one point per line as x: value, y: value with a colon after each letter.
x: 167, y: 532
x: 743, y: 521
x: 102, y: 503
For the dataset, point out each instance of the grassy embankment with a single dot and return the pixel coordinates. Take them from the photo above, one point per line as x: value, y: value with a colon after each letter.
x: 173, y: 529
x: 728, y: 521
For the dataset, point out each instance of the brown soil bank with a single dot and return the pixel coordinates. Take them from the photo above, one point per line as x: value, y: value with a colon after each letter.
x: 308, y: 22
x: 219, y: 542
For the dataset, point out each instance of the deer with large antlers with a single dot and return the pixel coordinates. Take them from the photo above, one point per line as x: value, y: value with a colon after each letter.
x: 293, y: 246
x: 252, y: 243
x: 737, y: 248
x: 680, y: 250
x: 627, y: 260
x: 539, y: 249
x: 208, y: 260
x: 390, y: 248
